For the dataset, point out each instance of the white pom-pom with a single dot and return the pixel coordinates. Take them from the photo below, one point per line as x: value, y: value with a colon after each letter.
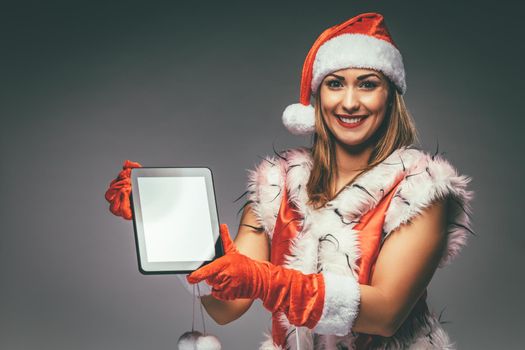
x: 299, y: 119
x: 208, y: 342
x: 188, y: 341
x: 197, y: 341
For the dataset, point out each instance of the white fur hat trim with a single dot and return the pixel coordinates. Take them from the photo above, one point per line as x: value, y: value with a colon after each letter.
x: 358, y: 51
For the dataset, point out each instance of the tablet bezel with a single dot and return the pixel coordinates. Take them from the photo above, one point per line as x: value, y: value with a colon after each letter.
x: 180, y: 267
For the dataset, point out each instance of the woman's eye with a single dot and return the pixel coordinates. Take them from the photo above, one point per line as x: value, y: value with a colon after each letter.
x: 367, y: 84
x: 334, y: 83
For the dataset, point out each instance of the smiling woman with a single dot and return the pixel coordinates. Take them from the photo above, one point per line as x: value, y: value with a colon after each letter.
x: 340, y: 218
x: 340, y: 241
x: 365, y: 94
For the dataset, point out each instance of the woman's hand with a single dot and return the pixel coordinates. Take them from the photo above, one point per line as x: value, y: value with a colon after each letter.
x: 118, y: 194
x: 233, y: 275
x: 250, y: 243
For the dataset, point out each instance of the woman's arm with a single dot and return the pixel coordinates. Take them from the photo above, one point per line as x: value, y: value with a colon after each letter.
x: 253, y: 244
x: 405, y: 265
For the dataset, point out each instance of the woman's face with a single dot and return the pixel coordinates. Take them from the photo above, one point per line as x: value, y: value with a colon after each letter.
x: 353, y: 104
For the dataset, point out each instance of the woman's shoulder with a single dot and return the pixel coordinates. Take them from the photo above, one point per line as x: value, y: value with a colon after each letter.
x: 429, y: 177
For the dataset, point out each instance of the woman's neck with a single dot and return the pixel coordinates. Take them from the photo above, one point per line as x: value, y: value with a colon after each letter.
x: 350, y: 161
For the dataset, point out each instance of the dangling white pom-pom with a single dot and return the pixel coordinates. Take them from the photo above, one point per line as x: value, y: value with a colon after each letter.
x: 197, y: 341
x: 208, y: 342
x: 299, y: 119
x: 188, y: 341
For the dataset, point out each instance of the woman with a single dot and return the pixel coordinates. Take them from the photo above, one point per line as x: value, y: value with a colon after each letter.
x: 330, y: 281
x: 341, y: 240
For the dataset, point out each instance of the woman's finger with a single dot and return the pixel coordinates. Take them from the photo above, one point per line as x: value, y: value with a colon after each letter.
x: 130, y: 164
x: 204, y: 272
x: 115, y: 204
x: 229, y: 246
x: 125, y: 206
x: 121, y: 184
x: 110, y: 194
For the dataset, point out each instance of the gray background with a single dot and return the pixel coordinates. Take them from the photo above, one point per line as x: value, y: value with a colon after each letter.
x: 87, y: 85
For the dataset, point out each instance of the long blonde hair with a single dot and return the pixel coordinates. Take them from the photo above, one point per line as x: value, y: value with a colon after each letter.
x: 397, y: 130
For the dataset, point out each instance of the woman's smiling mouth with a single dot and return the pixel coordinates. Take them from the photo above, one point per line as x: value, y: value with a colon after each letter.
x: 350, y: 121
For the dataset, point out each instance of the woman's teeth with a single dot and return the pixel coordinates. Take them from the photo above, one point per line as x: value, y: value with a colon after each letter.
x: 350, y: 120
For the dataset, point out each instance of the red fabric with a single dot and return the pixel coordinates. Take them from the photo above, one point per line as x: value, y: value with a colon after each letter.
x: 370, y: 229
x: 235, y: 276
x: 286, y: 227
x: 371, y: 23
x: 119, y: 191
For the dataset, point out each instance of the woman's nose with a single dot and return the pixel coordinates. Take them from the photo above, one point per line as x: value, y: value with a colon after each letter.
x: 350, y: 100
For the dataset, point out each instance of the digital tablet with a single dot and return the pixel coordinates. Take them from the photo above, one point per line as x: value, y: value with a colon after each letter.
x: 175, y: 219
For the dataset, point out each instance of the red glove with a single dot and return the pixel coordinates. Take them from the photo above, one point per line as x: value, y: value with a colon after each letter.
x: 234, y: 275
x: 118, y: 194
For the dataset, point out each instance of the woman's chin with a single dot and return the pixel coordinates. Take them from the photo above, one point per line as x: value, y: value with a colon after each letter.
x: 353, y: 142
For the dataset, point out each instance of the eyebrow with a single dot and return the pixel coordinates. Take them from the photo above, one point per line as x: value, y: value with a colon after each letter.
x: 361, y: 77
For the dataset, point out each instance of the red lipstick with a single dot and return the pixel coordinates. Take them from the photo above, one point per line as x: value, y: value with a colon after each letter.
x: 350, y: 125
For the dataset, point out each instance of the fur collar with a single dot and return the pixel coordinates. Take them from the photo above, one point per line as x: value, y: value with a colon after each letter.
x: 425, y: 178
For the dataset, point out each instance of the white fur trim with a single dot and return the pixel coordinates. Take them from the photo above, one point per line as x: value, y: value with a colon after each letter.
x: 299, y: 119
x: 203, y: 287
x: 358, y: 51
x: 438, y: 339
x: 304, y: 334
x: 328, y: 242
x: 341, y: 305
x: 265, y: 186
x: 268, y: 344
x: 431, y: 337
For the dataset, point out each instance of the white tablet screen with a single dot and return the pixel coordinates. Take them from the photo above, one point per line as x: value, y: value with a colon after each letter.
x: 176, y: 219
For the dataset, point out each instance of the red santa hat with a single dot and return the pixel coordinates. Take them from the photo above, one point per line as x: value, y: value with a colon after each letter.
x: 360, y: 42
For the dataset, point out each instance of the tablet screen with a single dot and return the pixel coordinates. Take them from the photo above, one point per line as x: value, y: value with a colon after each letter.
x: 176, y: 219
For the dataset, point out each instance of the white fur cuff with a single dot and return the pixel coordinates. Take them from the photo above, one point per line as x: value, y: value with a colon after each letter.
x: 341, y: 305
x: 204, y: 288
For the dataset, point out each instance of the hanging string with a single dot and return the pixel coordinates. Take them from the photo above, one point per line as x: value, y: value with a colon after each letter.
x: 202, y: 310
x: 193, y: 317
x: 297, y: 338
x: 196, y: 339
